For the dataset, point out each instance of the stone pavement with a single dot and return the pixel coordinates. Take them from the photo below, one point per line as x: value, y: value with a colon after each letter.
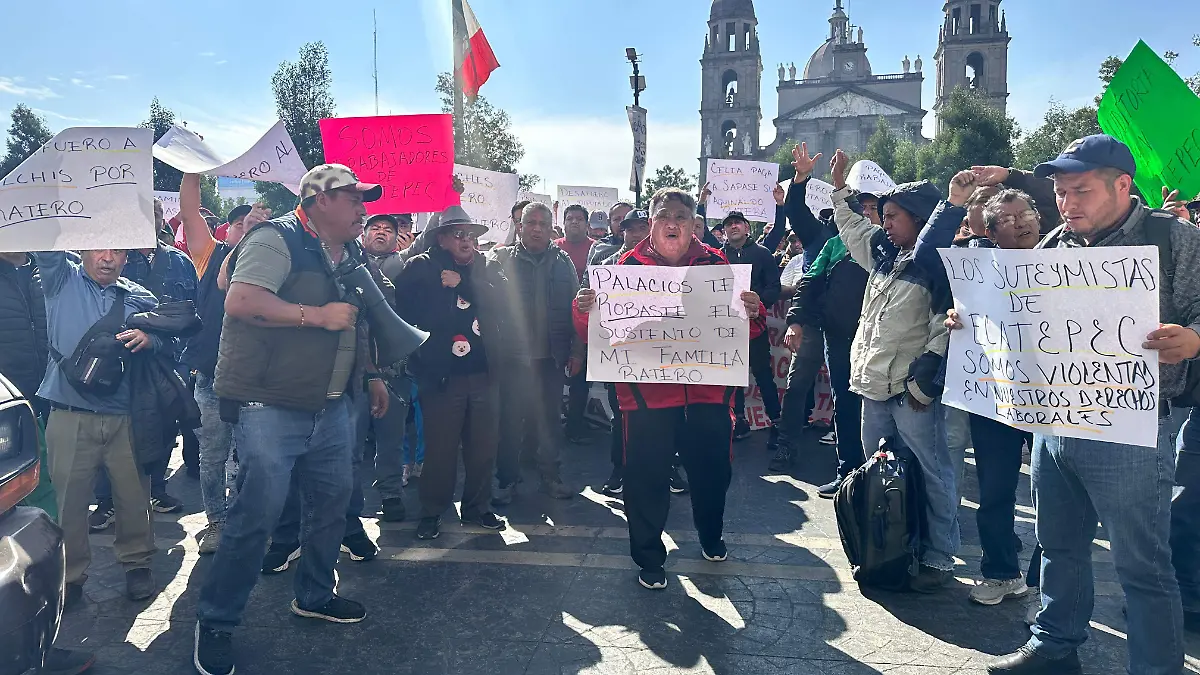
x: 556, y: 593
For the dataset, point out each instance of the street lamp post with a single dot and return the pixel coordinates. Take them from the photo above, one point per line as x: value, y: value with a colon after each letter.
x: 638, y: 83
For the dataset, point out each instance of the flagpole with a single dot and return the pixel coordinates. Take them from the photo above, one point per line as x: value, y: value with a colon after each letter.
x: 460, y: 38
x: 375, y: 57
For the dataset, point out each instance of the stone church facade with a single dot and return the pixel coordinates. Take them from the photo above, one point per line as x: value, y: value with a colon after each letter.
x: 838, y: 100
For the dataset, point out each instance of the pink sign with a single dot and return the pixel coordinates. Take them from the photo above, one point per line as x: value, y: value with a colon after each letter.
x: 411, y: 156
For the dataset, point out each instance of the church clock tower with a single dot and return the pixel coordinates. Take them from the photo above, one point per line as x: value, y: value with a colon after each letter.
x: 731, y: 69
x: 972, y: 52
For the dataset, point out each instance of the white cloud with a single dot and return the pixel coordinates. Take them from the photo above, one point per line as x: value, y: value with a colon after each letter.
x: 116, y: 77
x: 229, y: 133
x: 207, y: 54
x: 53, y: 79
x: 80, y: 83
x: 221, y: 62
x: 11, y: 85
x: 66, y: 118
x: 592, y: 151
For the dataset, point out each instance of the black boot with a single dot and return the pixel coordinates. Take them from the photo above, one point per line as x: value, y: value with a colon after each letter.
x: 1025, y: 661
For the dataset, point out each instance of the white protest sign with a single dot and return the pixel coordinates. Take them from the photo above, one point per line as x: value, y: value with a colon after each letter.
x: 669, y: 324
x: 818, y: 196
x: 590, y: 198
x: 637, y: 124
x: 1052, y: 340
x: 738, y: 185
x: 867, y: 176
x: 488, y: 197
x: 170, y: 203
x: 86, y: 188
x: 273, y: 159
x: 523, y: 196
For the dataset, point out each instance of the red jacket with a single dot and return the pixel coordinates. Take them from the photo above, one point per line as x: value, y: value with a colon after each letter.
x: 635, y: 396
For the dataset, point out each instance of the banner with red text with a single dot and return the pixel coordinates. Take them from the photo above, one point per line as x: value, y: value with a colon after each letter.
x: 781, y: 359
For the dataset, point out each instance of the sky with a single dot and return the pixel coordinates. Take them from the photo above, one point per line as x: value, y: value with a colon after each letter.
x: 563, y: 78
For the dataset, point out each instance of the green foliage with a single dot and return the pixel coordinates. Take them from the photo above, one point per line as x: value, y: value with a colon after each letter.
x: 162, y: 118
x: 883, y: 146
x: 783, y: 157
x: 302, y: 100
x: 27, y: 133
x: 668, y: 176
x: 487, y: 139
x: 209, y: 198
x: 1059, y: 127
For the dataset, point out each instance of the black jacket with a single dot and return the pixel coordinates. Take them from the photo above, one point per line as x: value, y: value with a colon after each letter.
x: 159, y: 398
x: 831, y: 300
x: 811, y: 231
x: 764, y: 277
x: 520, y: 267
x: 23, y: 342
x: 423, y: 301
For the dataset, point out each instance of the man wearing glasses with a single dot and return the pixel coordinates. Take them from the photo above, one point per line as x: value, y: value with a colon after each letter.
x: 454, y: 294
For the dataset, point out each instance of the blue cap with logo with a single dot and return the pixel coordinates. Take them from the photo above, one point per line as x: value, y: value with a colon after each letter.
x: 1100, y: 151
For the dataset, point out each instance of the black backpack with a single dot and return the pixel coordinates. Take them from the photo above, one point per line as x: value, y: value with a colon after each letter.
x: 99, y: 361
x: 1158, y: 234
x: 880, y: 511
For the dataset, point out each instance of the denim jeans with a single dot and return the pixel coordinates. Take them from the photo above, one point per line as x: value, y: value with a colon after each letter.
x: 389, y: 440
x: 414, y: 452
x: 998, y: 467
x: 274, y: 444
x: 924, y: 433
x: 847, y: 406
x: 216, y: 450
x: 1185, y: 514
x: 1077, y: 482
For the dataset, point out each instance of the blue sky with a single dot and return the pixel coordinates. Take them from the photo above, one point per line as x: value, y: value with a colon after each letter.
x: 563, y: 78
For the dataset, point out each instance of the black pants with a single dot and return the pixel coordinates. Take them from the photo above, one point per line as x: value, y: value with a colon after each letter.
x: 530, y: 399
x: 998, y: 466
x: 617, y: 437
x: 459, y: 414
x: 847, y: 405
x: 760, y: 368
x: 801, y: 381
x: 702, y: 434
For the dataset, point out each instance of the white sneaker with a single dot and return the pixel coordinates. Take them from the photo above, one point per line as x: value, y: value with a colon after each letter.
x: 994, y: 591
x: 210, y: 538
x: 829, y: 439
x: 1035, y: 606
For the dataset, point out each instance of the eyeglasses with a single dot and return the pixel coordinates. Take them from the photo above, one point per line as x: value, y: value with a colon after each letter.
x: 463, y: 234
x: 1027, y: 217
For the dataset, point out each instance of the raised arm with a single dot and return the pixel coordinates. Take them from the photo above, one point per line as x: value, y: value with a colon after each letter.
x: 195, y: 229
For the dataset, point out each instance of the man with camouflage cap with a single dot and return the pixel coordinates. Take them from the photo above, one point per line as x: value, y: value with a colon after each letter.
x: 286, y: 357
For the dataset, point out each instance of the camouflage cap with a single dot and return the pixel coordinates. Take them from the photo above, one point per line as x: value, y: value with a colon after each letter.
x: 332, y: 176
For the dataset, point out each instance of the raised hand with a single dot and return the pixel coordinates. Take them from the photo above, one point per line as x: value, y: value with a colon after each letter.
x: 962, y: 186
x: 837, y: 167
x: 802, y: 162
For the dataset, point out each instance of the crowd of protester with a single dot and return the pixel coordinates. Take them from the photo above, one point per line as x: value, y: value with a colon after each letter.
x: 260, y: 360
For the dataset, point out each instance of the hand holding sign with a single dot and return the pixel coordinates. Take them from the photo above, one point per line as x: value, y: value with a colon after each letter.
x: 272, y: 159
x: 742, y: 186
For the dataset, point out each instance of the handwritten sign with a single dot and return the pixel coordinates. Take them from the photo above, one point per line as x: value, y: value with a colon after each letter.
x: 637, y: 124
x: 781, y: 361
x: 738, y: 185
x: 1052, y: 340
x: 488, y: 197
x: 867, y: 176
x: 411, y: 156
x: 1153, y: 111
x: 818, y: 196
x: 523, y: 196
x: 590, y: 198
x: 272, y: 159
x: 170, y: 203
x: 682, y: 325
x: 87, y: 188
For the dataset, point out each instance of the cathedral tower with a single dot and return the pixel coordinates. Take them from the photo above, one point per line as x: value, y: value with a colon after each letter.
x: 731, y: 68
x: 972, y: 52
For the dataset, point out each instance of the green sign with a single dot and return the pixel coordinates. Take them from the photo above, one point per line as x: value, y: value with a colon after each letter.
x: 1151, y: 109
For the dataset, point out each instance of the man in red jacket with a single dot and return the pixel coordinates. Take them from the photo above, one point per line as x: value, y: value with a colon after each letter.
x: 694, y: 420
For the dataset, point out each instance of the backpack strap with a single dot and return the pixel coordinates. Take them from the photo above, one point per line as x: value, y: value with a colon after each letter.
x: 1158, y: 233
x: 115, y: 316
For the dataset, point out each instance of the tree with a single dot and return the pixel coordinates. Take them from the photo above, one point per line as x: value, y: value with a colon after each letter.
x: 1059, y: 127
x: 668, y: 176
x: 783, y: 157
x: 487, y: 140
x: 302, y: 100
x: 882, y: 147
x: 162, y: 118
x: 209, y: 198
x: 973, y: 133
x: 27, y: 133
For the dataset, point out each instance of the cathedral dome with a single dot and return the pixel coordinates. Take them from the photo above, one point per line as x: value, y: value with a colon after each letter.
x: 731, y: 9
x: 822, y: 63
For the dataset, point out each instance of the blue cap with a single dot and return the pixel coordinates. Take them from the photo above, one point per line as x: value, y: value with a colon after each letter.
x: 1100, y: 151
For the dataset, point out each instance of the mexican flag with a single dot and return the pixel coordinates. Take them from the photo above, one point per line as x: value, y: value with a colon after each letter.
x: 473, y: 54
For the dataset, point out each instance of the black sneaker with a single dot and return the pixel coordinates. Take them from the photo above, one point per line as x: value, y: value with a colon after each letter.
x: 486, y: 520
x: 930, y: 580
x: 678, y: 484
x: 429, y: 528
x: 72, y: 596
x: 102, y: 517
x: 67, y: 662
x: 741, y: 429
x: 773, y: 439
x: 615, y: 483
x: 655, y: 580
x: 829, y: 490
x: 337, y: 610
x: 1025, y: 661
x: 213, y: 651
x: 279, y: 556
x: 139, y: 583
x: 393, y: 510
x: 360, y: 547
x: 782, y: 461
x: 717, y: 552
x: 193, y: 471
x: 165, y: 503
